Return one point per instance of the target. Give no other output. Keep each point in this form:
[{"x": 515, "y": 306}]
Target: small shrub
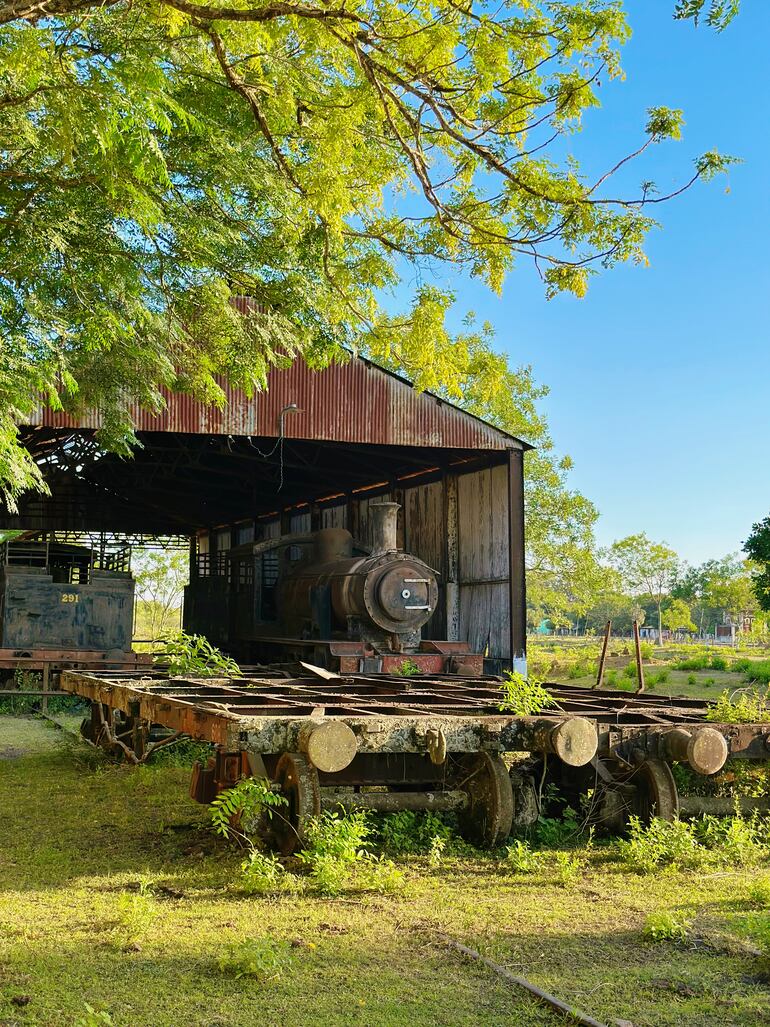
[
  {"x": 751, "y": 707},
  {"x": 436, "y": 852},
  {"x": 521, "y": 858},
  {"x": 691, "y": 679},
  {"x": 524, "y": 696},
  {"x": 182, "y": 753},
  {"x": 611, "y": 679},
  {"x": 263, "y": 959},
  {"x": 136, "y": 911},
  {"x": 569, "y": 866},
  {"x": 664, "y": 926},
  {"x": 406, "y": 669},
  {"x": 663, "y": 677},
  {"x": 660, "y": 844},
  {"x": 647, "y": 649},
  {"x": 195, "y": 656},
  {"x": 718, "y": 663},
  {"x": 263, "y": 873},
  {"x": 243, "y": 805},
  {"x": 379, "y": 874},
  {"x": 629, "y": 670},
  {"x": 411, "y": 833},
  {"x": 334, "y": 842}
]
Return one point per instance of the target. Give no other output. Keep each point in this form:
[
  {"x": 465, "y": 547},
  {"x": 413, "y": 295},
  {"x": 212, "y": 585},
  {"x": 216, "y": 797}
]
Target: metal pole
[
  {"x": 639, "y": 668},
  {"x": 516, "y": 571},
  {"x": 603, "y": 657}
]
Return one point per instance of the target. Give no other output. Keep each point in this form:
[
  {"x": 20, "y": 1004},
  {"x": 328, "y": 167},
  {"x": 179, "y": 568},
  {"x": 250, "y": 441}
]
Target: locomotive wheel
[
  {"x": 298, "y": 779},
  {"x": 488, "y": 818}
]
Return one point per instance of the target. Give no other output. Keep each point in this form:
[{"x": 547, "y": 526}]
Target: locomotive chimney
[{"x": 384, "y": 521}]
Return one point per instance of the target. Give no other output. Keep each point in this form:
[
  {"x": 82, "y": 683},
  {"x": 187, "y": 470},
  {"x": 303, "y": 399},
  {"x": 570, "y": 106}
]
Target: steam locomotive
[{"x": 329, "y": 599}]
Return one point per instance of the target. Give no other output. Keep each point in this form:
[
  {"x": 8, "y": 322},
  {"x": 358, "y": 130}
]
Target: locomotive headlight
[{"x": 405, "y": 593}]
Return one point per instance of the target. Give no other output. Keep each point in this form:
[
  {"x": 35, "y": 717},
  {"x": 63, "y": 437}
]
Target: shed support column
[
  {"x": 452, "y": 559},
  {"x": 517, "y": 582}
]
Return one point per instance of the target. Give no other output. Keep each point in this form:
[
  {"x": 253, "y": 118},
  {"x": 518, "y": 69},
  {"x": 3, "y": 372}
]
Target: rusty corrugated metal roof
[{"x": 352, "y": 402}]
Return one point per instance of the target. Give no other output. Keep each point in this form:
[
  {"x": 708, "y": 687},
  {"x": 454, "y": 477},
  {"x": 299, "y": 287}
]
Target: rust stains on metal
[{"x": 352, "y": 402}]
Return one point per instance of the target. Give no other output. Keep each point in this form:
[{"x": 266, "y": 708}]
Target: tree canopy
[{"x": 160, "y": 156}]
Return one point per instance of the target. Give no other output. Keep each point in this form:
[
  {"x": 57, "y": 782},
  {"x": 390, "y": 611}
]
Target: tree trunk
[{"x": 660, "y": 624}]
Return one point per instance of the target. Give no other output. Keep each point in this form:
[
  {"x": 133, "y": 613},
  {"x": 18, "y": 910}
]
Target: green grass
[{"x": 113, "y": 893}]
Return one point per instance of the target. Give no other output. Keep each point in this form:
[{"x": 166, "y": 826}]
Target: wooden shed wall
[{"x": 480, "y": 571}]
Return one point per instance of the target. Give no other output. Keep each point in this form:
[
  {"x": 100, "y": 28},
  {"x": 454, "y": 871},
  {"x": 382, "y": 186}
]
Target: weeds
[
  {"x": 410, "y": 833},
  {"x": 334, "y": 844},
  {"x": 562, "y": 867},
  {"x": 406, "y": 669},
  {"x": 136, "y": 911},
  {"x": 665, "y": 926},
  {"x": 196, "y": 656},
  {"x": 262, "y": 959},
  {"x": 524, "y": 696},
  {"x": 751, "y": 707},
  {"x": 94, "y": 1018},
  {"x": 263, "y": 873},
  {"x": 661, "y": 844},
  {"x": 759, "y": 892}
]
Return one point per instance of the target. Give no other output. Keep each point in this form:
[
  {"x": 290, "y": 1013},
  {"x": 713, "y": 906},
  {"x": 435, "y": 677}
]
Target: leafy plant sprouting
[
  {"x": 521, "y": 858},
  {"x": 665, "y": 926},
  {"x": 750, "y": 707},
  {"x": 408, "y": 832},
  {"x": 261, "y": 958},
  {"x": 334, "y": 842},
  {"x": 524, "y": 696},
  {"x": 94, "y": 1018},
  {"x": 406, "y": 669},
  {"x": 196, "y": 656},
  {"x": 136, "y": 911},
  {"x": 262, "y": 873},
  {"x": 243, "y": 804}
]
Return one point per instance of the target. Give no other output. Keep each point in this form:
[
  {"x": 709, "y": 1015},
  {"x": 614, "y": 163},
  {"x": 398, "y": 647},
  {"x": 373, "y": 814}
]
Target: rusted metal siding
[{"x": 353, "y": 402}]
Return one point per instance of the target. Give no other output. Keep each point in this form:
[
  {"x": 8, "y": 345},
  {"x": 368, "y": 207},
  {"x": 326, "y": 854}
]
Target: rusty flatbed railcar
[{"x": 388, "y": 743}]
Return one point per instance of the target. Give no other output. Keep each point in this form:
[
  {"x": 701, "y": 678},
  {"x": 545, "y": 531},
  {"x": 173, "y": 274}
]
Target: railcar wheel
[
  {"x": 298, "y": 780},
  {"x": 656, "y": 794},
  {"x": 488, "y": 817}
]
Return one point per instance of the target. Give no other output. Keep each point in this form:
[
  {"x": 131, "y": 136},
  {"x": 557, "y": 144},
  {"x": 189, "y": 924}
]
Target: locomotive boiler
[{"x": 329, "y": 599}]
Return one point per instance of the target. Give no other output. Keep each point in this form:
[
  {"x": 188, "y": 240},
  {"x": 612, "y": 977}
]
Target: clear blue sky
[{"x": 660, "y": 378}]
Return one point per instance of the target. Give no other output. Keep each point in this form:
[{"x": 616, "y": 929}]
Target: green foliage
[
  {"x": 167, "y": 156},
  {"x": 406, "y": 669},
  {"x": 261, "y": 959},
  {"x": 334, "y": 843},
  {"x": 521, "y": 858},
  {"x": 160, "y": 577},
  {"x": 195, "y": 656},
  {"x": 710, "y": 841},
  {"x": 411, "y": 833},
  {"x": 182, "y": 753},
  {"x": 759, "y": 892},
  {"x": 243, "y": 805},
  {"x": 560, "y": 866},
  {"x": 94, "y": 1018},
  {"x": 665, "y": 926},
  {"x": 719, "y": 13},
  {"x": 263, "y": 873},
  {"x": 524, "y": 696},
  {"x": 676, "y": 616},
  {"x": 135, "y": 913},
  {"x": 751, "y": 707}
]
